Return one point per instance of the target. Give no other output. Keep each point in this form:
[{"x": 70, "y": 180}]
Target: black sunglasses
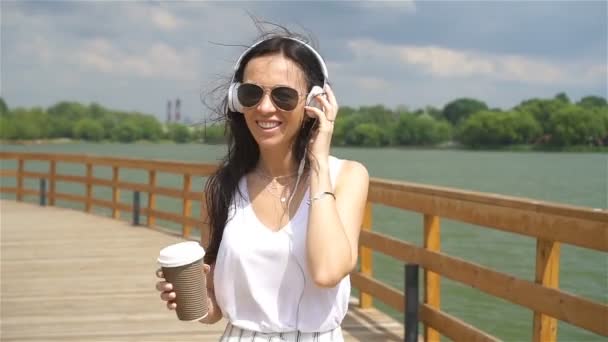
[{"x": 285, "y": 98}]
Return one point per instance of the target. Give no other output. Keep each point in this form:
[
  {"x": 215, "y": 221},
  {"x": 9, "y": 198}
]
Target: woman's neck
[{"x": 277, "y": 163}]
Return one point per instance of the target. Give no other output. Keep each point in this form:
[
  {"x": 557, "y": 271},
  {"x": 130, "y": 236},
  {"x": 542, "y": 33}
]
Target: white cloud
[
  {"x": 157, "y": 61},
  {"x": 444, "y": 62},
  {"x": 163, "y": 19},
  {"x": 371, "y": 83},
  {"x": 155, "y": 15},
  {"x": 393, "y": 5},
  {"x": 449, "y": 63},
  {"x": 518, "y": 68},
  {"x": 39, "y": 47},
  {"x": 157, "y": 50},
  {"x": 595, "y": 72}
]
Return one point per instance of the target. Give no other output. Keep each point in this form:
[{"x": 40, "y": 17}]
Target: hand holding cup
[
  {"x": 166, "y": 288},
  {"x": 184, "y": 285}
]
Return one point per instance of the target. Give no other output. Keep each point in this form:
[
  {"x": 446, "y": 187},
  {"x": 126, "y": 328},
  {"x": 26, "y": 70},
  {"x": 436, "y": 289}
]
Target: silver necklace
[
  {"x": 266, "y": 176},
  {"x": 273, "y": 189}
]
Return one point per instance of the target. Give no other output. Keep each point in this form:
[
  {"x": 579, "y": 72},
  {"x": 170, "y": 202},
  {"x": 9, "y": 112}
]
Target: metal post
[
  {"x": 205, "y": 131},
  {"x": 42, "y": 192},
  {"x": 411, "y": 303},
  {"x": 136, "y": 208}
]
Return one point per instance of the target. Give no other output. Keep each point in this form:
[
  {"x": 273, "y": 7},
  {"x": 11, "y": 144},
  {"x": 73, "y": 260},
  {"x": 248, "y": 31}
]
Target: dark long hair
[{"x": 243, "y": 151}]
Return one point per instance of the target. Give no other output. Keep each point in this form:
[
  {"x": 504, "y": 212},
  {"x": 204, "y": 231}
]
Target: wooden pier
[{"x": 71, "y": 276}]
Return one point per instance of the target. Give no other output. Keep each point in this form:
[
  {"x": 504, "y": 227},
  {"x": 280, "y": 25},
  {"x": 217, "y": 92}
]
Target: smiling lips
[{"x": 268, "y": 124}]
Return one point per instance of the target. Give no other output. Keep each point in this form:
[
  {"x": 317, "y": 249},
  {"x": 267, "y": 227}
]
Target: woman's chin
[
  {"x": 272, "y": 142},
  {"x": 266, "y": 143}
]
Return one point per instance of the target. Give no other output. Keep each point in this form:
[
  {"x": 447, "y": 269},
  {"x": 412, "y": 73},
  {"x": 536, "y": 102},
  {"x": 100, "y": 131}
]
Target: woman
[{"x": 284, "y": 215}]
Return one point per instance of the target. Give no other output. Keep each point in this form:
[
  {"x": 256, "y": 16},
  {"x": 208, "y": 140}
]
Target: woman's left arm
[{"x": 333, "y": 224}]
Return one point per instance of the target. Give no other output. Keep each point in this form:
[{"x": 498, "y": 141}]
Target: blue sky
[{"x": 138, "y": 55}]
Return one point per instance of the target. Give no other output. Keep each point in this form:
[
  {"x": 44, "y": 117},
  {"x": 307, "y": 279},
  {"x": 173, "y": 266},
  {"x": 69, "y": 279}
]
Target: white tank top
[{"x": 262, "y": 281}]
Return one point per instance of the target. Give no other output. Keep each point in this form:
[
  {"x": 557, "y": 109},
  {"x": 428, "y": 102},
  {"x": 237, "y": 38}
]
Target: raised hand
[{"x": 321, "y": 141}]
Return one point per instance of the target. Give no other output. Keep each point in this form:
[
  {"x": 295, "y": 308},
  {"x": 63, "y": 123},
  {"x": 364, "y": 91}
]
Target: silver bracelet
[{"x": 321, "y": 195}]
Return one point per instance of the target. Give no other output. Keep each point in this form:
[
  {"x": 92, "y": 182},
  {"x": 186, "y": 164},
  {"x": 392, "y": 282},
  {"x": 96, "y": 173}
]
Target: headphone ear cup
[
  {"x": 310, "y": 99},
  {"x": 233, "y": 100}
]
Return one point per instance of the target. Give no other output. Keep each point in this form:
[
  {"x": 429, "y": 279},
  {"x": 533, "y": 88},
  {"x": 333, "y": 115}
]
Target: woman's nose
[{"x": 266, "y": 104}]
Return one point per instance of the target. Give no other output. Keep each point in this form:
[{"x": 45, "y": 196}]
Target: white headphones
[{"x": 233, "y": 101}]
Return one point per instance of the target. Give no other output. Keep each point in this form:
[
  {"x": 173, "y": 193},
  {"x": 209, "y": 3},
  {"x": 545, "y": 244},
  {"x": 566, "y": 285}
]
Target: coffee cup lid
[{"x": 180, "y": 254}]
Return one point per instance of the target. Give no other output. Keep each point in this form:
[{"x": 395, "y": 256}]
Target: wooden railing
[
  {"x": 183, "y": 169},
  {"x": 550, "y": 224}
]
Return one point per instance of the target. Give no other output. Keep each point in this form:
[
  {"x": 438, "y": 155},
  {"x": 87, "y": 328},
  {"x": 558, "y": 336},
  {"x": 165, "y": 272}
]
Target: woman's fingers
[
  {"x": 329, "y": 108},
  {"x": 330, "y": 95},
  {"x": 314, "y": 112},
  {"x": 328, "y": 100},
  {"x": 165, "y": 289},
  {"x": 167, "y": 296},
  {"x": 164, "y": 286},
  {"x": 329, "y": 104},
  {"x": 325, "y": 125}
]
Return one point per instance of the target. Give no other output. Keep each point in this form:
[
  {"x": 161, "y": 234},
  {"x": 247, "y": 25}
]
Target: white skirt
[{"x": 233, "y": 333}]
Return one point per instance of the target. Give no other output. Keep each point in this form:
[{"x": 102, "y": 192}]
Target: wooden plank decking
[{"x": 71, "y": 276}]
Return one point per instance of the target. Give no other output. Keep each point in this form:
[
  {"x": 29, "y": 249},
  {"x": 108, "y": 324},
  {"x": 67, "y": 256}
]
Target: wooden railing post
[
  {"x": 187, "y": 204},
  {"x": 366, "y": 258},
  {"x": 547, "y": 274},
  {"x": 52, "y": 182},
  {"x": 89, "y": 187},
  {"x": 151, "y": 198},
  {"x": 115, "y": 192},
  {"x": 20, "y": 171},
  {"x": 432, "y": 280}
]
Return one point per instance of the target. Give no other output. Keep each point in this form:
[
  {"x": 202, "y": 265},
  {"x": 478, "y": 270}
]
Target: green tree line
[
  {"x": 95, "y": 123},
  {"x": 545, "y": 123}
]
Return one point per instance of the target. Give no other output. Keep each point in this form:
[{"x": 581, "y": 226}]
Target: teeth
[{"x": 268, "y": 124}]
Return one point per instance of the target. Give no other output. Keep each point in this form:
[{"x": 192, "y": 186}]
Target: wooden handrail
[
  {"x": 550, "y": 224},
  {"x": 520, "y": 216},
  {"x": 451, "y": 326},
  {"x": 195, "y": 169},
  {"x": 559, "y": 304},
  {"x": 477, "y": 197}
]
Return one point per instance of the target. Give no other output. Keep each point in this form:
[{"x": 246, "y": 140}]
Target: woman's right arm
[{"x": 215, "y": 313}]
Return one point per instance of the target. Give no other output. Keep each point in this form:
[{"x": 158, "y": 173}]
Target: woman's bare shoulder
[{"x": 352, "y": 172}]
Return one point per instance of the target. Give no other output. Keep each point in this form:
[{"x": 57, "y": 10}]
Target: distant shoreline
[
  {"x": 37, "y": 141},
  {"x": 442, "y": 147}
]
